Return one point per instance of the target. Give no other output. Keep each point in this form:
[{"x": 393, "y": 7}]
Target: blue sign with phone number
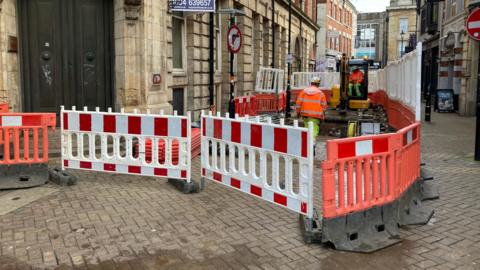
[{"x": 192, "y": 5}]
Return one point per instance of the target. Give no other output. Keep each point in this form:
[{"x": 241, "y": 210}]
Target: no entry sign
[
  {"x": 234, "y": 39},
  {"x": 473, "y": 24}
]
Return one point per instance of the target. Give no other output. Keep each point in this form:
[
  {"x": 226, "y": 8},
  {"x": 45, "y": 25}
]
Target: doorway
[{"x": 66, "y": 55}]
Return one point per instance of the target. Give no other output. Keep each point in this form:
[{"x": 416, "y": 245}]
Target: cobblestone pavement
[{"x": 122, "y": 222}]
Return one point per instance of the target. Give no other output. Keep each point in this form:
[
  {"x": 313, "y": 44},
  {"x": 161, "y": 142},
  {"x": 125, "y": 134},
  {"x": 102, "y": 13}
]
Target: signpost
[
  {"x": 473, "y": 29},
  {"x": 234, "y": 43},
  {"x": 473, "y": 24},
  {"x": 234, "y": 39}
]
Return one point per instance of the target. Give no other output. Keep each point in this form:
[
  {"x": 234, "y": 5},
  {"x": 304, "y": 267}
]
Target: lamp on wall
[{"x": 132, "y": 9}]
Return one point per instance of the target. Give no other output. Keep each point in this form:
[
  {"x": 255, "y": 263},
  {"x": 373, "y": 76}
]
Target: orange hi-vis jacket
[
  {"x": 311, "y": 102},
  {"x": 356, "y": 77}
]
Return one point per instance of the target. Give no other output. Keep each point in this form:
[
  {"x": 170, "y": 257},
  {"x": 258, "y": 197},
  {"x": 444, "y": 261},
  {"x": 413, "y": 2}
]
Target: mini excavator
[{"x": 349, "y": 103}]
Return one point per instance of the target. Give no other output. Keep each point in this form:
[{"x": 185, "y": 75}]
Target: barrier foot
[
  {"x": 310, "y": 229},
  {"x": 411, "y": 209},
  {"x": 365, "y": 232},
  {"x": 429, "y": 191},
  {"x": 424, "y": 175},
  {"x": 23, "y": 175},
  {"x": 187, "y": 187},
  {"x": 61, "y": 178}
]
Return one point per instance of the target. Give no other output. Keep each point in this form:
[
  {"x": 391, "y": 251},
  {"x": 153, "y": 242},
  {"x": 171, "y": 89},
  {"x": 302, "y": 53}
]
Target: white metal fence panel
[
  {"x": 104, "y": 141},
  {"x": 270, "y": 80},
  {"x": 275, "y": 162},
  {"x": 402, "y": 80},
  {"x": 302, "y": 80}
]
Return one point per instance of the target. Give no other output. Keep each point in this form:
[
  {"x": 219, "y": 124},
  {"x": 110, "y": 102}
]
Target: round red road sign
[
  {"x": 473, "y": 24},
  {"x": 234, "y": 39}
]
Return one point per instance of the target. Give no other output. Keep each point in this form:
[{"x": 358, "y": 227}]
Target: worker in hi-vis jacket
[{"x": 311, "y": 105}]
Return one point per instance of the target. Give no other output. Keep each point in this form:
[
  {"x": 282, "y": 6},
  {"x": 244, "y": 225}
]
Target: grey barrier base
[
  {"x": 23, "y": 175},
  {"x": 372, "y": 229},
  {"x": 310, "y": 229},
  {"x": 61, "y": 178},
  {"x": 424, "y": 174},
  {"x": 366, "y": 231},
  {"x": 429, "y": 191},
  {"x": 411, "y": 211},
  {"x": 186, "y": 187}
]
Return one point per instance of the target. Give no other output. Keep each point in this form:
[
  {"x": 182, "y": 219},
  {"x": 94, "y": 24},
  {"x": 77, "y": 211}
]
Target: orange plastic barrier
[
  {"x": 399, "y": 115},
  {"x": 3, "y": 108},
  {"x": 245, "y": 106},
  {"x": 270, "y": 103},
  {"x": 195, "y": 151},
  {"x": 24, "y": 137},
  {"x": 408, "y": 157},
  {"x": 363, "y": 172}
]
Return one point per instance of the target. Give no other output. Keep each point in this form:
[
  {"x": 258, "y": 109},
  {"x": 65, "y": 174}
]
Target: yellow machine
[
  {"x": 343, "y": 96},
  {"x": 335, "y": 98}
]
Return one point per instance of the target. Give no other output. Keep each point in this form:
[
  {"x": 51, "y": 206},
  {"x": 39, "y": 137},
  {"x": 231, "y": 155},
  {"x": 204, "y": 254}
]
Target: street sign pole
[
  {"x": 473, "y": 30},
  {"x": 477, "y": 136},
  {"x": 211, "y": 64},
  {"x": 234, "y": 43},
  {"x": 287, "y": 109},
  {"x": 428, "y": 104},
  {"x": 231, "y": 105}
]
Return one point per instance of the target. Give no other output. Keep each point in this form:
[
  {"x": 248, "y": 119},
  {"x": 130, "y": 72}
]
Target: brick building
[
  {"x": 337, "y": 20},
  {"x": 106, "y": 53}
]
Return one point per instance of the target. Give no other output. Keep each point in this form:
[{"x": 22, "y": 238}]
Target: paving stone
[{"x": 109, "y": 221}]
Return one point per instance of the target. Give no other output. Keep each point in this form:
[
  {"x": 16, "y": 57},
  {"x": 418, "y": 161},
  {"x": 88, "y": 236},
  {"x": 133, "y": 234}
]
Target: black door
[
  {"x": 66, "y": 53},
  {"x": 178, "y": 100}
]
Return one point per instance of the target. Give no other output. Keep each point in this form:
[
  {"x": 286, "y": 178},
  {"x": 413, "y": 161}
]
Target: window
[
  {"x": 453, "y": 8},
  {"x": 447, "y": 9},
  {"x": 403, "y": 25},
  {"x": 460, "y": 6},
  {"x": 178, "y": 32},
  {"x": 335, "y": 12},
  {"x": 266, "y": 42}
]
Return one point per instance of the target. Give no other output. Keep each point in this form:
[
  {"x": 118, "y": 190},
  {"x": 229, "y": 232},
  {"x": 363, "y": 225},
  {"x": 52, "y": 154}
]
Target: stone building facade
[
  {"x": 459, "y": 54},
  {"x": 428, "y": 30},
  {"x": 402, "y": 18},
  {"x": 148, "y": 58}
]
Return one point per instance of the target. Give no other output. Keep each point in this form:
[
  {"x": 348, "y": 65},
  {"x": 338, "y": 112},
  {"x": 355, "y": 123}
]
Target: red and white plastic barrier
[
  {"x": 103, "y": 141},
  {"x": 256, "y": 143},
  {"x": 3, "y": 108}
]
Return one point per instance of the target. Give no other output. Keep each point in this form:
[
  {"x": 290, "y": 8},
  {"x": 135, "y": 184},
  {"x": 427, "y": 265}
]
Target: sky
[{"x": 370, "y": 5}]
